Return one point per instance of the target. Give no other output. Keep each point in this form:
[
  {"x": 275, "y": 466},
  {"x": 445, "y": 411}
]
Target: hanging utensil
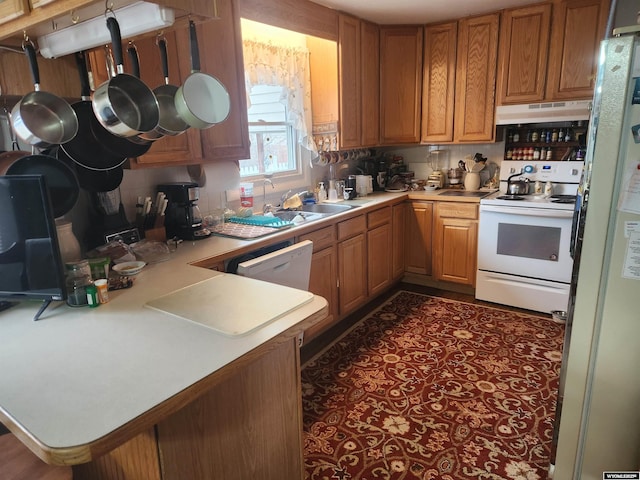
[
  {"x": 171, "y": 123},
  {"x": 202, "y": 101},
  {"x": 124, "y": 105},
  {"x": 85, "y": 149},
  {"x": 42, "y": 119}
]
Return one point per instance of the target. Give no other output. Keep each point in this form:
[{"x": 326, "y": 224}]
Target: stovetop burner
[{"x": 510, "y": 197}]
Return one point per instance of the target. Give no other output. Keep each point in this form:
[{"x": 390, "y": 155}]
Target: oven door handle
[{"x": 532, "y": 212}]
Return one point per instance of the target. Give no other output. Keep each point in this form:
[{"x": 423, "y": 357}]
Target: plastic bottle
[{"x": 322, "y": 193}]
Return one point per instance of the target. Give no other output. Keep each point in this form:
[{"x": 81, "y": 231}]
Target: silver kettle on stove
[{"x": 517, "y": 187}]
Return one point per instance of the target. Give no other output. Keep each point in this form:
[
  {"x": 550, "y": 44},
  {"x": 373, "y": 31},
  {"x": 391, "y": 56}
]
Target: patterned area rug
[{"x": 430, "y": 388}]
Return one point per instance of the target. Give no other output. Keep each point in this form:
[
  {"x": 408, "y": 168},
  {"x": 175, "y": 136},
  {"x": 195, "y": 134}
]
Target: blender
[{"x": 437, "y": 159}]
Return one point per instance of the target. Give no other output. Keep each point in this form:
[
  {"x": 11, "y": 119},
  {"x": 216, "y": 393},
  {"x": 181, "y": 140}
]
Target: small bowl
[
  {"x": 430, "y": 188},
  {"x": 559, "y": 316},
  {"x": 129, "y": 269}
]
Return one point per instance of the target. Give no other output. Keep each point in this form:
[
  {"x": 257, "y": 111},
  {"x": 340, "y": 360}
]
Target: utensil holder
[{"x": 472, "y": 181}]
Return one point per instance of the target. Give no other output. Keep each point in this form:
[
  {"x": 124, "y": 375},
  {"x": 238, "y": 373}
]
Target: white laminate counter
[{"x": 79, "y": 374}]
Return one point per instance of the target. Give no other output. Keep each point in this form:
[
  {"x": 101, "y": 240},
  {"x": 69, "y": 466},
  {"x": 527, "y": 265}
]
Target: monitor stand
[{"x": 45, "y": 304}]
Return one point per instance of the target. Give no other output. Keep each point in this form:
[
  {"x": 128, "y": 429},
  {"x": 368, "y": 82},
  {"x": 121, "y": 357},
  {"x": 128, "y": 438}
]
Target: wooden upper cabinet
[
  {"x": 220, "y": 43},
  {"x": 476, "y": 78},
  {"x": 578, "y": 27},
  {"x": 358, "y": 57},
  {"x": 439, "y": 77},
  {"x": 524, "y": 46},
  {"x": 400, "y": 84},
  {"x": 370, "y": 84},
  {"x": 349, "y": 81}
]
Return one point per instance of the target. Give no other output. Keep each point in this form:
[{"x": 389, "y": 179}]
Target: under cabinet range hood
[
  {"x": 546, "y": 112},
  {"x": 134, "y": 19}
]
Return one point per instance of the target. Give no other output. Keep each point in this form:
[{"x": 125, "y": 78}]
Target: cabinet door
[
  {"x": 524, "y": 46},
  {"x": 438, "y": 88},
  {"x": 418, "y": 232},
  {"x": 352, "y": 273},
  {"x": 220, "y": 44},
  {"x": 397, "y": 240},
  {"x": 379, "y": 259},
  {"x": 400, "y": 84},
  {"x": 370, "y": 84},
  {"x": 350, "y": 94},
  {"x": 169, "y": 150},
  {"x": 456, "y": 249},
  {"x": 323, "y": 281},
  {"x": 578, "y": 28},
  {"x": 476, "y": 78}
]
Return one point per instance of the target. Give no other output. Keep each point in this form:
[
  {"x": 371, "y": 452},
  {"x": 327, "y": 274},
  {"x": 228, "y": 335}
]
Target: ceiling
[{"x": 386, "y": 12}]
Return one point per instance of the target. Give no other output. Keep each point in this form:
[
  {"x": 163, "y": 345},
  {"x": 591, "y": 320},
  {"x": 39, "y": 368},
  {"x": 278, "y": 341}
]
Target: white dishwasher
[{"x": 289, "y": 266}]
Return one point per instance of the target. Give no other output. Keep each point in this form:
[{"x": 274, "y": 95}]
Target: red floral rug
[{"x": 430, "y": 388}]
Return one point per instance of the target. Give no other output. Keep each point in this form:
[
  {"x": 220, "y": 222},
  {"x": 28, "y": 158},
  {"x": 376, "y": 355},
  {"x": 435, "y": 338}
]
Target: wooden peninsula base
[{"x": 248, "y": 426}]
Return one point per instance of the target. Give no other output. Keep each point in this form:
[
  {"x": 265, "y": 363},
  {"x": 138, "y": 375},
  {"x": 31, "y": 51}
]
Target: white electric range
[{"x": 523, "y": 240}]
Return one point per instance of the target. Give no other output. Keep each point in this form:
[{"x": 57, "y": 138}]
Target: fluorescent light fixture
[{"x": 134, "y": 19}]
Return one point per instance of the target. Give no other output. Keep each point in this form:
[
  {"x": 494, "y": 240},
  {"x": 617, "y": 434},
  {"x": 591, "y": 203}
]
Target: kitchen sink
[
  {"x": 289, "y": 215},
  {"x": 326, "y": 208}
]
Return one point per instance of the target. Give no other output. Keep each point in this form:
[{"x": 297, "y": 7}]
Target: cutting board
[{"x": 231, "y": 304}]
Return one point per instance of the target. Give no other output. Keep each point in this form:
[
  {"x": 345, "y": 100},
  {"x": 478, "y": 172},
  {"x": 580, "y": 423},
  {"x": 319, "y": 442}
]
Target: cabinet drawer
[
  {"x": 351, "y": 227},
  {"x": 321, "y": 238},
  {"x": 379, "y": 217},
  {"x": 458, "y": 210}
]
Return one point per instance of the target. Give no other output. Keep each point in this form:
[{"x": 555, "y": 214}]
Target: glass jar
[{"x": 78, "y": 279}]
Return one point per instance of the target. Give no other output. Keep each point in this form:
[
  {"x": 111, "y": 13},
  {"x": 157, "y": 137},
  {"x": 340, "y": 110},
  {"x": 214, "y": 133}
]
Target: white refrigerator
[{"x": 599, "y": 424}]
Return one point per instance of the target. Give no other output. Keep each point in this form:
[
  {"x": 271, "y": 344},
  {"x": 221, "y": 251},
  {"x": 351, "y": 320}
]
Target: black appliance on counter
[
  {"x": 182, "y": 217},
  {"x": 108, "y": 220}
]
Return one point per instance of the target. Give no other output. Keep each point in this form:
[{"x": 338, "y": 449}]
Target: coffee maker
[{"x": 182, "y": 217}]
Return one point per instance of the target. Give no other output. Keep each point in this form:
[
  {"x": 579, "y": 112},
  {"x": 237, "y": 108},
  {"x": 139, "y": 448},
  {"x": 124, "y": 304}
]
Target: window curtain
[{"x": 268, "y": 64}]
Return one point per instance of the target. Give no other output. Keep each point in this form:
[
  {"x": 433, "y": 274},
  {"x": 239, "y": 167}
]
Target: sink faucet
[{"x": 266, "y": 207}]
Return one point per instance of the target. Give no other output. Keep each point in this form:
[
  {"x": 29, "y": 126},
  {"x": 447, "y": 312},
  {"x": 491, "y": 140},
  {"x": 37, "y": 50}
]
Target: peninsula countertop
[{"x": 72, "y": 379}]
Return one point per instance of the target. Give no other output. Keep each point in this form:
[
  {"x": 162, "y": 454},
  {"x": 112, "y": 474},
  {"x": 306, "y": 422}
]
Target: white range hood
[{"x": 543, "y": 112}]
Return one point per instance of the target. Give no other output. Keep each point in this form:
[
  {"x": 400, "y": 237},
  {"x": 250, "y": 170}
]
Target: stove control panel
[{"x": 565, "y": 172}]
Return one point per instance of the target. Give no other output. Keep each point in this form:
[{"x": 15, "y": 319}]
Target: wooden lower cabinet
[
  {"x": 352, "y": 273},
  {"x": 249, "y": 425},
  {"x": 418, "y": 233},
  {"x": 324, "y": 282},
  {"x": 398, "y": 217},
  {"x": 455, "y": 242},
  {"x": 379, "y": 259}
]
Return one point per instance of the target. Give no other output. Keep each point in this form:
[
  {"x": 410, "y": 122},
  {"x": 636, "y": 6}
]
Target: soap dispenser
[{"x": 322, "y": 193}]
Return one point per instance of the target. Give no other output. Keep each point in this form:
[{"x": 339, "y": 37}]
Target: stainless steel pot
[
  {"x": 517, "y": 187},
  {"x": 202, "y": 101},
  {"x": 40, "y": 118},
  {"x": 124, "y": 105},
  {"x": 171, "y": 123}
]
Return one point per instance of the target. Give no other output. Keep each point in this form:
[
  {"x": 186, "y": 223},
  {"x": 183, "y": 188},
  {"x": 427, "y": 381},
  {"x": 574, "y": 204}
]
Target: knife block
[{"x": 158, "y": 234}]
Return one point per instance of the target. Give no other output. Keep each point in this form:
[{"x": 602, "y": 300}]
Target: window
[
  {"x": 278, "y": 86},
  {"x": 273, "y": 139}
]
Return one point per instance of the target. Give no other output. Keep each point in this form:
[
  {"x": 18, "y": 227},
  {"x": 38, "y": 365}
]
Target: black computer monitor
[{"x": 31, "y": 267}]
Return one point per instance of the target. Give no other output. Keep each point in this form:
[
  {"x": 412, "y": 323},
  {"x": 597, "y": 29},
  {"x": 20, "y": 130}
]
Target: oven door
[{"x": 528, "y": 242}]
